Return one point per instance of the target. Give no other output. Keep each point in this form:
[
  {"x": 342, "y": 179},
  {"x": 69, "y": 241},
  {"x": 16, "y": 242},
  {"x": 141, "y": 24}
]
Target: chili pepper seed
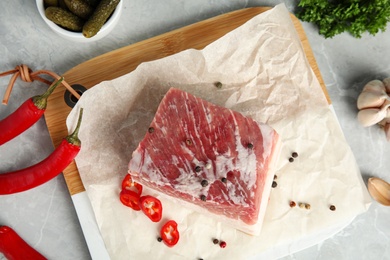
[
  {"x": 222, "y": 244},
  {"x": 204, "y": 183},
  {"x": 332, "y": 207},
  {"x": 215, "y": 241},
  {"x": 292, "y": 204},
  {"x": 203, "y": 197},
  {"x": 189, "y": 142},
  {"x": 151, "y": 130}
]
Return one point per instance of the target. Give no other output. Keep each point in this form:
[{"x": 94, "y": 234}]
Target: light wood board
[{"x": 124, "y": 60}]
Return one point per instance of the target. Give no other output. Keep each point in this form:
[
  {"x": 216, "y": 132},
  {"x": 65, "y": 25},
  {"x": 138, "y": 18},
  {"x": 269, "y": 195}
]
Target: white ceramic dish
[{"x": 78, "y": 36}]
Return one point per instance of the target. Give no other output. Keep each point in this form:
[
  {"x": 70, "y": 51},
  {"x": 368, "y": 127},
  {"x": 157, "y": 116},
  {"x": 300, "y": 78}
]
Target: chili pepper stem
[
  {"x": 73, "y": 137},
  {"x": 41, "y": 101}
]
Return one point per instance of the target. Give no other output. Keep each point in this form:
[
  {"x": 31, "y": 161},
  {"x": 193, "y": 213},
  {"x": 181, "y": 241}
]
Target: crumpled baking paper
[{"x": 266, "y": 76}]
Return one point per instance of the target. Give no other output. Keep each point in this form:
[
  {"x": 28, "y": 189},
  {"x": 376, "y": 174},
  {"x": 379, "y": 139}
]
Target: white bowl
[{"x": 78, "y": 36}]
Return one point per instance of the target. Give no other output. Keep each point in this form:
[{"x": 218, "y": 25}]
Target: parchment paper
[{"x": 266, "y": 76}]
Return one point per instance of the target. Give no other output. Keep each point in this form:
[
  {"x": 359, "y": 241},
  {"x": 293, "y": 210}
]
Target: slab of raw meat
[{"x": 216, "y": 160}]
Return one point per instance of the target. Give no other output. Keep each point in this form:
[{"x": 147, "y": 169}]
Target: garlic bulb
[{"x": 374, "y": 105}]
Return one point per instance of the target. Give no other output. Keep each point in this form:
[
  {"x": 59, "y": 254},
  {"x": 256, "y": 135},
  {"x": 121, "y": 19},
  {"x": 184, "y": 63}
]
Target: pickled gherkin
[
  {"x": 64, "y": 18},
  {"x": 99, "y": 17},
  {"x": 80, "y": 8}
]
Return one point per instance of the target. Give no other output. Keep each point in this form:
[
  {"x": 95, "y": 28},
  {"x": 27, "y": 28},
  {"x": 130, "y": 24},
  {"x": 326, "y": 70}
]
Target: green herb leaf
[{"x": 353, "y": 16}]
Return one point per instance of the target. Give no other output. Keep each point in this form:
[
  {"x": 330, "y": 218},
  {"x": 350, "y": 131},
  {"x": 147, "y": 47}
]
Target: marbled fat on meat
[{"x": 193, "y": 140}]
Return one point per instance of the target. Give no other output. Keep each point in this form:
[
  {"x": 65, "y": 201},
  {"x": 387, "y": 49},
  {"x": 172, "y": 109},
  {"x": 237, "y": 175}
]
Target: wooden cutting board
[{"x": 124, "y": 60}]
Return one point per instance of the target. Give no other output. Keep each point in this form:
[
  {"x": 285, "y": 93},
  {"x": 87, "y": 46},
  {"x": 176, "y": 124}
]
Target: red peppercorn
[{"x": 222, "y": 244}]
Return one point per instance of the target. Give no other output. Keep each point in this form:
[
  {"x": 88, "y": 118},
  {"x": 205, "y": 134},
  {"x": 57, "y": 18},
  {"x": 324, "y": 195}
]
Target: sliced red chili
[
  {"x": 152, "y": 207},
  {"x": 169, "y": 233},
  {"x": 129, "y": 184},
  {"x": 130, "y": 199}
]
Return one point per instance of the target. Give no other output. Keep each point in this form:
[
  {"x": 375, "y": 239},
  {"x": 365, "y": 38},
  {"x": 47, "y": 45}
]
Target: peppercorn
[
  {"x": 307, "y": 206},
  {"x": 274, "y": 184},
  {"x": 292, "y": 204},
  {"x": 204, "y": 183},
  {"x": 215, "y": 241},
  {"x": 275, "y": 177},
  {"x": 250, "y": 145},
  {"x": 159, "y": 239},
  {"x": 294, "y": 154},
  {"x": 218, "y": 84},
  {"x": 222, "y": 244},
  {"x": 224, "y": 180},
  {"x": 291, "y": 159},
  {"x": 203, "y": 197},
  {"x": 151, "y": 130},
  {"x": 198, "y": 169},
  {"x": 332, "y": 207}
]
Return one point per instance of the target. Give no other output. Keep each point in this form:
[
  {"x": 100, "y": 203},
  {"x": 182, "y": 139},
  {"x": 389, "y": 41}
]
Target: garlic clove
[
  {"x": 379, "y": 190},
  {"x": 370, "y": 116},
  {"x": 386, "y": 82},
  {"x": 375, "y": 86},
  {"x": 370, "y": 99}
]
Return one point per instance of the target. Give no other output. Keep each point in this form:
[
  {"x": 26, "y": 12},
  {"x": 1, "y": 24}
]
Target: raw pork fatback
[{"x": 216, "y": 160}]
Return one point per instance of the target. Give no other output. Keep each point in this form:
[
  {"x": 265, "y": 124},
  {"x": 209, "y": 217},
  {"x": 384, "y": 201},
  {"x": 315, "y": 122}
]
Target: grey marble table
[{"x": 46, "y": 217}]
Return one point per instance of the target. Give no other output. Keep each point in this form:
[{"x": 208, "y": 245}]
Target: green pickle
[
  {"x": 51, "y": 3},
  {"x": 99, "y": 17},
  {"x": 80, "y": 8},
  {"x": 64, "y": 18}
]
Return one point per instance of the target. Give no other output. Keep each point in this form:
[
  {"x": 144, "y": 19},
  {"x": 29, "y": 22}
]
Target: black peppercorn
[
  {"x": 159, "y": 239},
  {"x": 294, "y": 154},
  {"x": 250, "y": 145},
  {"x": 224, "y": 180},
  {"x": 215, "y": 241},
  {"x": 291, "y": 159},
  {"x": 218, "y": 84},
  {"x": 189, "y": 142},
  {"x": 274, "y": 184},
  {"x": 203, "y": 197},
  {"x": 204, "y": 183},
  {"x": 332, "y": 207},
  {"x": 198, "y": 169},
  {"x": 151, "y": 130}
]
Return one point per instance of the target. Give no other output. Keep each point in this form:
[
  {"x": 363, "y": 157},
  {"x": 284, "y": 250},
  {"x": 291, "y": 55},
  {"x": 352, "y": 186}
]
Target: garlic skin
[
  {"x": 379, "y": 190},
  {"x": 374, "y": 105}
]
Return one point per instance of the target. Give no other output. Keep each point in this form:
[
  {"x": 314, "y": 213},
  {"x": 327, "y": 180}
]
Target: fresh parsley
[{"x": 353, "y": 16}]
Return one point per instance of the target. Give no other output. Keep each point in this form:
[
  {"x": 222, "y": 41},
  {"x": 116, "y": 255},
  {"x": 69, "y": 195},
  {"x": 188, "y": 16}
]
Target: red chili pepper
[
  {"x": 45, "y": 170},
  {"x": 169, "y": 233},
  {"x": 14, "y": 247},
  {"x": 26, "y": 115},
  {"x": 129, "y": 184},
  {"x": 130, "y": 199},
  {"x": 152, "y": 207}
]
